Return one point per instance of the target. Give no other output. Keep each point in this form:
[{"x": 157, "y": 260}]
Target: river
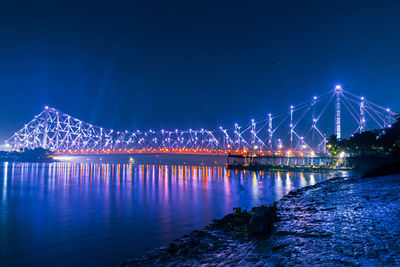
[{"x": 97, "y": 214}]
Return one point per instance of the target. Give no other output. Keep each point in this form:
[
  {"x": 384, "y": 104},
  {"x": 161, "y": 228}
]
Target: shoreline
[{"x": 339, "y": 221}]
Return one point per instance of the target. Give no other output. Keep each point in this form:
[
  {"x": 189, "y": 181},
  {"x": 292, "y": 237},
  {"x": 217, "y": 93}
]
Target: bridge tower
[
  {"x": 253, "y": 134},
  {"x": 362, "y": 115},
  {"x": 314, "y": 121},
  {"x": 291, "y": 127},
  {"x": 46, "y": 128},
  {"x": 270, "y": 132},
  {"x": 338, "y": 92},
  {"x": 238, "y": 136}
]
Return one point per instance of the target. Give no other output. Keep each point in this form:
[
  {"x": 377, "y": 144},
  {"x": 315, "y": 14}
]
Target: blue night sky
[{"x": 191, "y": 64}]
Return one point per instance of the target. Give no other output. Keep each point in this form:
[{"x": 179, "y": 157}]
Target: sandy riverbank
[{"x": 342, "y": 221}]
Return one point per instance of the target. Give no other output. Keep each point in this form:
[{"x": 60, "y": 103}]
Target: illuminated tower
[
  {"x": 291, "y": 127},
  {"x": 253, "y": 134},
  {"x": 338, "y": 92},
  {"x": 46, "y": 128},
  {"x": 238, "y": 136},
  {"x": 362, "y": 115},
  {"x": 314, "y": 120},
  {"x": 270, "y": 131}
]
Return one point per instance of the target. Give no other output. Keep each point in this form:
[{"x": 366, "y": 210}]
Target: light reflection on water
[{"x": 68, "y": 214}]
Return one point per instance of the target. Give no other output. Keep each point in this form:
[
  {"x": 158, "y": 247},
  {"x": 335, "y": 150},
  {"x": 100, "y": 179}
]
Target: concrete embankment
[{"x": 348, "y": 221}]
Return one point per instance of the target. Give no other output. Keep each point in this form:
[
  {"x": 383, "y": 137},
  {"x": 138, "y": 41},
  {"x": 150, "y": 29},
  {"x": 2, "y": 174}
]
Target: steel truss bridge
[{"x": 302, "y": 128}]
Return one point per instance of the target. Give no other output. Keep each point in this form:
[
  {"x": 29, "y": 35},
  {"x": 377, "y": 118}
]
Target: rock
[
  {"x": 261, "y": 222},
  {"x": 279, "y": 247},
  {"x": 283, "y": 233},
  {"x": 193, "y": 242}
]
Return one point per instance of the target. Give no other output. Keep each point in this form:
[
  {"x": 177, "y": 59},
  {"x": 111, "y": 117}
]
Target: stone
[{"x": 262, "y": 220}]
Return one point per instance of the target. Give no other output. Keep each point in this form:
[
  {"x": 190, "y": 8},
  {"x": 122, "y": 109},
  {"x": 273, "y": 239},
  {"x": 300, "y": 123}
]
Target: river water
[{"x": 91, "y": 214}]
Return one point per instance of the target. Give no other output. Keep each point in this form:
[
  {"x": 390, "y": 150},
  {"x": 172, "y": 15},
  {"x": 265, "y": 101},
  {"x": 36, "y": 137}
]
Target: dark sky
[{"x": 191, "y": 64}]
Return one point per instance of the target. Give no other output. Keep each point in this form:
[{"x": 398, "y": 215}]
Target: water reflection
[{"x": 100, "y": 214}]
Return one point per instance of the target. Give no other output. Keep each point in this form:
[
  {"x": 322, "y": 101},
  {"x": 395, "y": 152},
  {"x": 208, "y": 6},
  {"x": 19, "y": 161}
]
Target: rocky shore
[{"x": 342, "y": 221}]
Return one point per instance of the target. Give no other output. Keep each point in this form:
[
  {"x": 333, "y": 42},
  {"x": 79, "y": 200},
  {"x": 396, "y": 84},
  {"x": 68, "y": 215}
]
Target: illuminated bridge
[{"x": 302, "y": 128}]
